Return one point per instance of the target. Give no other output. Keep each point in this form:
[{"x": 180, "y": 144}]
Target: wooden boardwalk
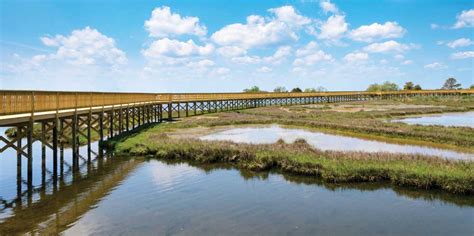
[{"x": 71, "y": 115}]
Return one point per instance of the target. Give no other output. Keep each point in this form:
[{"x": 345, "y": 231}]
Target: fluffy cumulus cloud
[
  {"x": 462, "y": 55},
  {"x": 388, "y": 47},
  {"x": 259, "y": 31},
  {"x": 328, "y": 7},
  {"x": 375, "y": 31},
  {"x": 435, "y": 66},
  {"x": 310, "y": 55},
  {"x": 333, "y": 28},
  {"x": 465, "y": 19},
  {"x": 167, "y": 55},
  {"x": 164, "y": 23},
  {"x": 462, "y": 42},
  {"x": 84, "y": 47},
  {"x": 356, "y": 57},
  {"x": 289, "y": 15},
  {"x": 174, "y": 48}
]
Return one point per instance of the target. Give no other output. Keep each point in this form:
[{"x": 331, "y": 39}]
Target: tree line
[{"x": 449, "y": 84}]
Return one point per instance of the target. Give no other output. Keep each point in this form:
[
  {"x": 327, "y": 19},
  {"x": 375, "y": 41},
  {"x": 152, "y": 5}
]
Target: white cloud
[
  {"x": 220, "y": 71},
  {"x": 259, "y": 31},
  {"x": 310, "y": 54},
  {"x": 174, "y": 48},
  {"x": 334, "y": 28},
  {"x": 328, "y": 7},
  {"x": 435, "y": 66},
  {"x": 434, "y": 26},
  {"x": 289, "y": 15},
  {"x": 356, "y": 57},
  {"x": 308, "y": 49},
  {"x": 280, "y": 54},
  {"x": 164, "y": 23},
  {"x": 247, "y": 59},
  {"x": 465, "y": 19},
  {"x": 264, "y": 69},
  {"x": 387, "y": 47},
  {"x": 312, "y": 59},
  {"x": 376, "y": 31},
  {"x": 201, "y": 63},
  {"x": 84, "y": 47},
  {"x": 407, "y": 62},
  {"x": 462, "y": 55},
  {"x": 231, "y": 51},
  {"x": 462, "y": 42}
]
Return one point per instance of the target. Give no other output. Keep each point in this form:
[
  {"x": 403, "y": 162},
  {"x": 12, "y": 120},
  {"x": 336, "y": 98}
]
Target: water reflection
[
  {"x": 325, "y": 141},
  {"x": 51, "y": 213},
  {"x": 447, "y": 119},
  {"x": 118, "y": 195},
  {"x": 214, "y": 199},
  {"x": 140, "y": 196}
]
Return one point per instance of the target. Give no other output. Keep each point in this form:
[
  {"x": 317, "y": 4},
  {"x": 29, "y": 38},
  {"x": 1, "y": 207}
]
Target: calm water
[
  {"x": 138, "y": 196},
  {"x": 447, "y": 119},
  {"x": 151, "y": 197},
  {"x": 327, "y": 141}
]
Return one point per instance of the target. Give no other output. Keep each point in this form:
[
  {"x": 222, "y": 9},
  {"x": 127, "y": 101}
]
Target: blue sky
[{"x": 219, "y": 46}]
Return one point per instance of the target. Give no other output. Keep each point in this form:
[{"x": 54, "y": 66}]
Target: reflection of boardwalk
[{"x": 53, "y": 212}]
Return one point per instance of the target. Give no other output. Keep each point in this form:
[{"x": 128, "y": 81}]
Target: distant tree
[
  {"x": 280, "y": 89},
  {"x": 389, "y": 86},
  {"x": 296, "y": 90},
  {"x": 310, "y": 90},
  {"x": 386, "y": 86},
  {"x": 417, "y": 87},
  {"x": 472, "y": 87},
  {"x": 408, "y": 86},
  {"x": 253, "y": 89},
  {"x": 451, "y": 83},
  {"x": 373, "y": 88}
]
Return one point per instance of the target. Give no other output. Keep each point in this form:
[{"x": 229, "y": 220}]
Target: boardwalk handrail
[{"x": 15, "y": 101}]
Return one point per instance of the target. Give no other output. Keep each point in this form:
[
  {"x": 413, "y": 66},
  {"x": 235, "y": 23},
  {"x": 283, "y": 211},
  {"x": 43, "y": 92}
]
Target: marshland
[{"x": 186, "y": 140}]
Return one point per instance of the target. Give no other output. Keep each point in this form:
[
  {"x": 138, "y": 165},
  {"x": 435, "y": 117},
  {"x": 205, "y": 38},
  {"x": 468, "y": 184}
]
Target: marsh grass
[{"x": 300, "y": 158}]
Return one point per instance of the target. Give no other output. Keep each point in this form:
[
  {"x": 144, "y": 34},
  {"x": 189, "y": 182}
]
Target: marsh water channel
[
  {"x": 325, "y": 141},
  {"x": 139, "y": 196},
  {"x": 465, "y": 119}
]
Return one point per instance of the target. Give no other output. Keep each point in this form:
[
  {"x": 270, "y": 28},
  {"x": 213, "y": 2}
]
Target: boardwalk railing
[{"x": 15, "y": 102}]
